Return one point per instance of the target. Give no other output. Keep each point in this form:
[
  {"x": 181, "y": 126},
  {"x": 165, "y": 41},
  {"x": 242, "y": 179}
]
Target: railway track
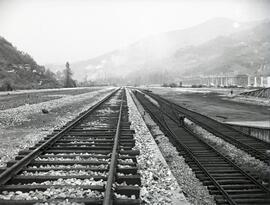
[
  {"x": 227, "y": 182},
  {"x": 252, "y": 145},
  {"x": 91, "y": 160}
]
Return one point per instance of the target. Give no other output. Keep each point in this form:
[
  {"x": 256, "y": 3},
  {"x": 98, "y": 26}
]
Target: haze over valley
[
  {"x": 197, "y": 50},
  {"x": 146, "y": 49},
  {"x": 135, "y": 102}
]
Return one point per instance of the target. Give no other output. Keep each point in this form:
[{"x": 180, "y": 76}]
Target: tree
[
  {"x": 60, "y": 76},
  {"x": 6, "y": 86},
  {"x": 49, "y": 74},
  {"x": 68, "y": 81}
]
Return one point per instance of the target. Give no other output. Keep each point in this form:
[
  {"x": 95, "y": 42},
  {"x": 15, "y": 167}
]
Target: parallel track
[
  {"x": 96, "y": 148},
  {"x": 225, "y": 180},
  {"x": 252, "y": 145}
]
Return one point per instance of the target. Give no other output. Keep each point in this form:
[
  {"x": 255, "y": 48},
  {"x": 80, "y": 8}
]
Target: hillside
[
  {"x": 148, "y": 52},
  {"x": 245, "y": 52},
  {"x": 18, "y": 70}
]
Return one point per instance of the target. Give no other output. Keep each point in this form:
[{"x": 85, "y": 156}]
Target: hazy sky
[{"x": 56, "y": 31}]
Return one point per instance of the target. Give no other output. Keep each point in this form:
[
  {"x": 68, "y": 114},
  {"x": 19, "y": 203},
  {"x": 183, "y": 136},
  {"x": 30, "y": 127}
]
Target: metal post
[{"x": 181, "y": 119}]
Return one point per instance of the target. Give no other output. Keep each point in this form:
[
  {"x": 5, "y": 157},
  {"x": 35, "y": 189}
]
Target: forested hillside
[{"x": 18, "y": 70}]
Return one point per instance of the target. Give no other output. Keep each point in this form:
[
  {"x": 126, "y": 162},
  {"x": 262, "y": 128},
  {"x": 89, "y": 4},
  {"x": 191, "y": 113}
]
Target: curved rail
[
  {"x": 191, "y": 147},
  {"x": 252, "y": 145}
]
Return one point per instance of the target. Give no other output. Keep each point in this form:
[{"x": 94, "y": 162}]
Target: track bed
[
  {"x": 91, "y": 160},
  {"x": 224, "y": 179},
  {"x": 253, "y": 146}
]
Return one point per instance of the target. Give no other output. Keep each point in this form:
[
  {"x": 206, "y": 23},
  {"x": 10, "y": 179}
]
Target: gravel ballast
[
  {"x": 25, "y": 132},
  {"x": 193, "y": 189},
  {"x": 16, "y": 116},
  {"x": 240, "y": 157},
  {"x": 67, "y": 188},
  {"x": 159, "y": 186},
  {"x": 14, "y": 99}
]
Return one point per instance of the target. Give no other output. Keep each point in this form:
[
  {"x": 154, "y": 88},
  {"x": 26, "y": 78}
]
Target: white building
[{"x": 268, "y": 81}]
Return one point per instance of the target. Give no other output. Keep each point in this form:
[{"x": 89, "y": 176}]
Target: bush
[
  {"x": 6, "y": 86},
  {"x": 165, "y": 85},
  {"x": 173, "y": 85}
]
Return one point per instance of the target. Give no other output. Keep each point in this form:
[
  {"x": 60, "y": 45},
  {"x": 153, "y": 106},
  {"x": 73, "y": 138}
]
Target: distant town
[{"x": 243, "y": 81}]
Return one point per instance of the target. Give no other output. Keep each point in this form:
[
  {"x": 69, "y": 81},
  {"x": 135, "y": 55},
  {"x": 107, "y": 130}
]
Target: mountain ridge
[
  {"x": 242, "y": 53},
  {"x": 152, "y": 49}
]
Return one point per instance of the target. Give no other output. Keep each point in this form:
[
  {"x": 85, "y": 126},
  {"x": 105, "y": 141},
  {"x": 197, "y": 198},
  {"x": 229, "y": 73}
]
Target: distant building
[
  {"x": 268, "y": 81},
  {"x": 241, "y": 80}
]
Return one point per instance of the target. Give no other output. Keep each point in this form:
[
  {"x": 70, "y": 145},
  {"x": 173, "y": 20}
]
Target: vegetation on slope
[{"x": 18, "y": 70}]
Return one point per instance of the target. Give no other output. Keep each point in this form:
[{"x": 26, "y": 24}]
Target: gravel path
[
  {"x": 159, "y": 186},
  {"x": 18, "y": 92},
  {"x": 16, "y": 116},
  {"x": 14, "y": 139},
  {"x": 15, "y": 99},
  {"x": 193, "y": 189}
]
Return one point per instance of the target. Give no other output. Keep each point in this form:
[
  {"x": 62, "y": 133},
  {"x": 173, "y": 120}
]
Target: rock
[
  {"x": 44, "y": 111},
  {"x": 155, "y": 178}
]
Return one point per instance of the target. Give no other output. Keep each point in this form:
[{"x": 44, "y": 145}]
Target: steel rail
[
  {"x": 167, "y": 129},
  {"x": 196, "y": 113},
  {"x": 246, "y": 147},
  {"x": 190, "y": 153},
  {"x": 225, "y": 125},
  {"x": 231, "y": 162},
  {"x": 108, "y": 195},
  {"x": 6, "y": 175},
  {"x": 215, "y": 150}
]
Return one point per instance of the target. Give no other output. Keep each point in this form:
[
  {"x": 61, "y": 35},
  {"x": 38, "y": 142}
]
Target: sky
[{"x": 56, "y": 31}]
